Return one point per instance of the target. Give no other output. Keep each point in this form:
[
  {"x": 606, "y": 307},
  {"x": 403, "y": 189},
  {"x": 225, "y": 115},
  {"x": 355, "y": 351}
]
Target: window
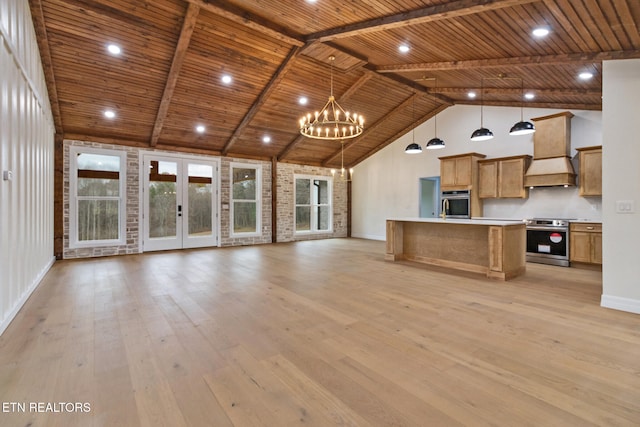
[
  {"x": 313, "y": 204},
  {"x": 245, "y": 199},
  {"x": 96, "y": 197}
]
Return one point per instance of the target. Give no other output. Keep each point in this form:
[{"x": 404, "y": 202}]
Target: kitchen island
[{"x": 491, "y": 247}]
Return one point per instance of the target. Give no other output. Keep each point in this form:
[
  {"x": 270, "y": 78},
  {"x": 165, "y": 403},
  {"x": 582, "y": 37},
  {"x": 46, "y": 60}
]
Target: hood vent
[{"x": 551, "y": 165}]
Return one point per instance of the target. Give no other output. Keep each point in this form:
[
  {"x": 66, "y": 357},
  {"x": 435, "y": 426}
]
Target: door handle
[{"x": 179, "y": 210}]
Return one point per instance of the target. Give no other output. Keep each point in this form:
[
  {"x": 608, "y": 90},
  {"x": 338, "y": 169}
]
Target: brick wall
[
  {"x": 285, "y": 208},
  {"x": 286, "y": 203}
]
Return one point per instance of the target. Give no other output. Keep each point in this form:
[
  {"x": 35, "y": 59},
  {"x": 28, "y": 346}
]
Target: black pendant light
[
  {"x": 413, "y": 148},
  {"x": 435, "y": 143},
  {"x": 522, "y": 127},
  {"x": 483, "y": 133}
]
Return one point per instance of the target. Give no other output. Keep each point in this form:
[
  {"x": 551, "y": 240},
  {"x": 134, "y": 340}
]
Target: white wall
[
  {"x": 387, "y": 184},
  {"x": 621, "y": 181},
  {"x": 26, "y": 149}
]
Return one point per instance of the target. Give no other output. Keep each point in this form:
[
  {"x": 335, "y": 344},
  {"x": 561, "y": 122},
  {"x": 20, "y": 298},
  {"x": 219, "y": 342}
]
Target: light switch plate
[
  {"x": 625, "y": 206},
  {"x": 7, "y": 175}
]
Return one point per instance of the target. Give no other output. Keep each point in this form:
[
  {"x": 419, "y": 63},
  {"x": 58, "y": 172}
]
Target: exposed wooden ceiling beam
[
  {"x": 400, "y": 133},
  {"x": 447, "y": 10},
  {"x": 528, "y": 104},
  {"x": 45, "y": 56},
  {"x": 362, "y": 80},
  {"x": 188, "y": 25},
  {"x": 400, "y": 107},
  {"x": 502, "y": 62},
  {"x": 276, "y": 79},
  {"x": 411, "y": 85},
  {"x": 516, "y": 91},
  {"x": 246, "y": 19}
]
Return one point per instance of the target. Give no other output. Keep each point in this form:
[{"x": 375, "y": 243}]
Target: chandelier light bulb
[{"x": 332, "y": 116}]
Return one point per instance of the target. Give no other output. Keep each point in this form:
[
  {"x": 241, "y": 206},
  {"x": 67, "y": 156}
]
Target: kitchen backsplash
[{"x": 546, "y": 202}]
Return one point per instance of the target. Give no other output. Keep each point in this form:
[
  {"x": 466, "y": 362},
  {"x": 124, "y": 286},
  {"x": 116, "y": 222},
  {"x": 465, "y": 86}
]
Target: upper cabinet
[
  {"x": 590, "y": 170},
  {"x": 503, "y": 177},
  {"x": 459, "y": 172}
]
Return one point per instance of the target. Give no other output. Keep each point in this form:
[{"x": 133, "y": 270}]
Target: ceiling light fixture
[
  {"x": 404, "y": 48},
  {"x": 522, "y": 127},
  {"x": 529, "y": 95},
  {"x": 109, "y": 114},
  {"x": 200, "y": 129},
  {"x": 585, "y": 75},
  {"x": 114, "y": 49},
  {"x": 343, "y": 175},
  {"x": 226, "y": 79},
  {"x": 303, "y": 100},
  {"x": 332, "y": 122},
  {"x": 471, "y": 95},
  {"x": 435, "y": 143},
  {"x": 481, "y": 134},
  {"x": 540, "y": 32},
  {"x": 266, "y": 139}
]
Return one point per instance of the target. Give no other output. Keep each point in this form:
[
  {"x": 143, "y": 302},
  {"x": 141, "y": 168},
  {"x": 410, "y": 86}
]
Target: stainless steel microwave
[{"x": 456, "y": 204}]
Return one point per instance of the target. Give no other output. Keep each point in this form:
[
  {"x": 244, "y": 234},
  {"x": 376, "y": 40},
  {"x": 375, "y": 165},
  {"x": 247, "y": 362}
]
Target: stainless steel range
[{"x": 548, "y": 241}]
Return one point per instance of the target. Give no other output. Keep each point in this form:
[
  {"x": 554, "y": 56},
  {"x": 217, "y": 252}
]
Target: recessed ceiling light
[
  {"x": 404, "y": 48},
  {"x": 114, "y": 49},
  {"x": 540, "y": 32},
  {"x": 585, "y": 75},
  {"x": 109, "y": 114},
  {"x": 200, "y": 129},
  {"x": 471, "y": 94},
  {"x": 529, "y": 95},
  {"x": 303, "y": 100},
  {"x": 266, "y": 139},
  {"x": 226, "y": 79}
]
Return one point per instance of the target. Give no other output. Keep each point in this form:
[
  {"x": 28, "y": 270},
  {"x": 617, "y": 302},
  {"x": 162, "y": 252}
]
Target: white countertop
[
  {"x": 594, "y": 221},
  {"x": 473, "y": 221}
]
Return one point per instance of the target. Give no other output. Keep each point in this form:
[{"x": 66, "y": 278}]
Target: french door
[{"x": 179, "y": 206}]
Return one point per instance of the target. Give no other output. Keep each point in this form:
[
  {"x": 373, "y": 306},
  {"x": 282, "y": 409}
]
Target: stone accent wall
[
  {"x": 286, "y": 203},
  {"x": 133, "y": 204},
  {"x": 285, "y": 208},
  {"x": 225, "y": 200}
]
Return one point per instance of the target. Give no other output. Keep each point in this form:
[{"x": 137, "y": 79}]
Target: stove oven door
[{"x": 547, "y": 243}]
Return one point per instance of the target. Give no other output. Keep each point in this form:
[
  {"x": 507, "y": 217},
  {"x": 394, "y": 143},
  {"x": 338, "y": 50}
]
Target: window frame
[
  {"x": 74, "y": 199},
  {"x": 313, "y": 206},
  {"x": 257, "y": 201}
]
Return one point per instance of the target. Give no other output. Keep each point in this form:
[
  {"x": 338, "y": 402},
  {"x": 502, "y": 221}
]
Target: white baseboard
[
  {"x": 25, "y": 296},
  {"x": 619, "y": 303},
  {"x": 368, "y": 236}
]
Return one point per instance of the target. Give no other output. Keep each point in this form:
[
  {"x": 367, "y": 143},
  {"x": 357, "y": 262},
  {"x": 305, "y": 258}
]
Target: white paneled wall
[{"x": 26, "y": 151}]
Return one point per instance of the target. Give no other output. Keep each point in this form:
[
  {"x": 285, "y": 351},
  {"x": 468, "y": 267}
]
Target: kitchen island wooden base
[{"x": 494, "y": 248}]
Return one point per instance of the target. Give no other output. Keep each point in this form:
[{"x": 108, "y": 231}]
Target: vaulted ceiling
[{"x": 167, "y": 78}]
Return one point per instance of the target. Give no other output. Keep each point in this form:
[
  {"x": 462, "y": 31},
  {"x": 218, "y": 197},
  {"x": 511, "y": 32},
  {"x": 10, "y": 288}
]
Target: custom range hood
[{"x": 551, "y": 165}]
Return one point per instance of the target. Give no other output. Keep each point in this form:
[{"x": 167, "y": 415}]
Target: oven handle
[{"x": 543, "y": 228}]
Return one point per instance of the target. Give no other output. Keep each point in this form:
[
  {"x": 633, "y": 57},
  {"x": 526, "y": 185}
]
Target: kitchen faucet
[{"x": 445, "y": 206}]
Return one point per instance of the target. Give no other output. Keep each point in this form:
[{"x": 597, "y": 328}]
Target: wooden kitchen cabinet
[
  {"x": 503, "y": 177},
  {"x": 459, "y": 172},
  {"x": 590, "y": 174},
  {"x": 585, "y": 242}
]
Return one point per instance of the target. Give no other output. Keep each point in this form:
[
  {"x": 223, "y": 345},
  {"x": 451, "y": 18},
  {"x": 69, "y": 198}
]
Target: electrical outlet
[{"x": 625, "y": 206}]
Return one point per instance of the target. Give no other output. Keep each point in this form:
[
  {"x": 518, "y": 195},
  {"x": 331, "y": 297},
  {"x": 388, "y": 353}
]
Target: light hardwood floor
[{"x": 317, "y": 333}]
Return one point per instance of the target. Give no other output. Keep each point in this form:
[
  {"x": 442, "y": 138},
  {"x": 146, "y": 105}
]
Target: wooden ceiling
[{"x": 174, "y": 52}]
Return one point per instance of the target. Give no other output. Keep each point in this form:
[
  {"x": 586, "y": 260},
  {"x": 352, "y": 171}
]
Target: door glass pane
[
  {"x": 200, "y": 193},
  {"x": 303, "y": 218},
  {"x": 162, "y": 199},
  {"x": 244, "y": 217},
  {"x": 98, "y": 219}
]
